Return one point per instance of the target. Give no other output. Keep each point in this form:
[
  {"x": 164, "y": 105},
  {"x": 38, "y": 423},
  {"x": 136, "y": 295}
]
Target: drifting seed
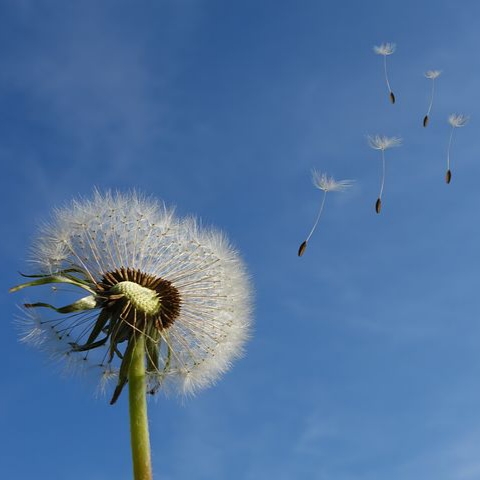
[
  {"x": 425, "y": 121},
  {"x": 378, "y": 205},
  {"x": 392, "y": 97},
  {"x": 302, "y": 248},
  {"x": 448, "y": 176}
]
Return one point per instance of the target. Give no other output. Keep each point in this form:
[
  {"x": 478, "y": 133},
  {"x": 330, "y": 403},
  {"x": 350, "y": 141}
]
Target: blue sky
[{"x": 365, "y": 361}]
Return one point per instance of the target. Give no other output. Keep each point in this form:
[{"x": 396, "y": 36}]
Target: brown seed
[
  {"x": 425, "y": 121},
  {"x": 378, "y": 205},
  {"x": 448, "y": 176},
  {"x": 302, "y": 248},
  {"x": 392, "y": 97}
]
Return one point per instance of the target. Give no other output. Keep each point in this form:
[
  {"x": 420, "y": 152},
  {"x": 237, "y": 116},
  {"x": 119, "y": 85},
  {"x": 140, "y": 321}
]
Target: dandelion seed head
[
  {"x": 180, "y": 284},
  {"x": 381, "y": 142},
  {"x": 385, "y": 49},
  {"x": 328, "y": 184},
  {"x": 458, "y": 120},
  {"x": 433, "y": 74}
]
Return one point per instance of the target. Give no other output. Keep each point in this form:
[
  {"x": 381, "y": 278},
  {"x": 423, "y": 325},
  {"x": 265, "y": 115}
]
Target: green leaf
[
  {"x": 99, "y": 326},
  {"x": 152, "y": 347},
  {"x": 124, "y": 368},
  {"x": 54, "y": 279},
  {"x": 85, "y": 303}
]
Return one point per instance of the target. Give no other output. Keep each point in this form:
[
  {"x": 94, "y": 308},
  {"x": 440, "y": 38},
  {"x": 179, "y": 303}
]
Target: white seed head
[
  {"x": 328, "y": 184},
  {"x": 433, "y": 74},
  {"x": 385, "y": 49},
  {"x": 381, "y": 142},
  {"x": 120, "y": 232},
  {"x": 458, "y": 120}
]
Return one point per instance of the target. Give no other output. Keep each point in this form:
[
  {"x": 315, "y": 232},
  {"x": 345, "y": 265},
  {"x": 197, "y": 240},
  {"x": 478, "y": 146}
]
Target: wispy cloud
[{"x": 100, "y": 96}]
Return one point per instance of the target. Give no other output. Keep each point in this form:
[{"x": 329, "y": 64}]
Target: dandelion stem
[
  {"x": 142, "y": 469},
  {"x": 318, "y": 216}
]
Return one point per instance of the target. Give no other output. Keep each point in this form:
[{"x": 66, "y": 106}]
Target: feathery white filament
[
  {"x": 320, "y": 210},
  {"x": 386, "y": 49},
  {"x": 327, "y": 184},
  {"x": 382, "y": 143},
  {"x": 432, "y": 75},
  {"x": 456, "y": 121},
  {"x": 383, "y": 175},
  {"x": 386, "y": 73},
  {"x": 431, "y": 97},
  {"x": 449, "y": 147}
]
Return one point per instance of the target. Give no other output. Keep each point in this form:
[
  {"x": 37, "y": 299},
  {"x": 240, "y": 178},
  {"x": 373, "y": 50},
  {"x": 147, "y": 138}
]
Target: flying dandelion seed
[
  {"x": 456, "y": 121},
  {"x": 386, "y": 49},
  {"x": 382, "y": 143},
  {"x": 167, "y": 305},
  {"x": 326, "y": 184},
  {"x": 431, "y": 74}
]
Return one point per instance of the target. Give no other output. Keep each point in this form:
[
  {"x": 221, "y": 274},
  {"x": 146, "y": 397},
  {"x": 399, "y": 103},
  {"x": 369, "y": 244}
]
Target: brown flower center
[{"x": 140, "y": 299}]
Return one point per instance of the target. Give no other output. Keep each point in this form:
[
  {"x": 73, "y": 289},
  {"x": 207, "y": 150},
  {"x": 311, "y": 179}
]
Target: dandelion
[
  {"x": 431, "y": 74},
  {"x": 382, "y": 143},
  {"x": 456, "y": 121},
  {"x": 167, "y": 303},
  {"x": 326, "y": 184},
  {"x": 386, "y": 49}
]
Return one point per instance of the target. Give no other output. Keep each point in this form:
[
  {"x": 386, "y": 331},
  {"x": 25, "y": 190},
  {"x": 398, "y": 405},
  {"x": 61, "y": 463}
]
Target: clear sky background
[{"x": 365, "y": 359}]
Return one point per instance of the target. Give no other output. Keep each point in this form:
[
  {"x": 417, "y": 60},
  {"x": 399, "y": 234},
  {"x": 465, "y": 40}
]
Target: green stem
[{"x": 142, "y": 468}]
